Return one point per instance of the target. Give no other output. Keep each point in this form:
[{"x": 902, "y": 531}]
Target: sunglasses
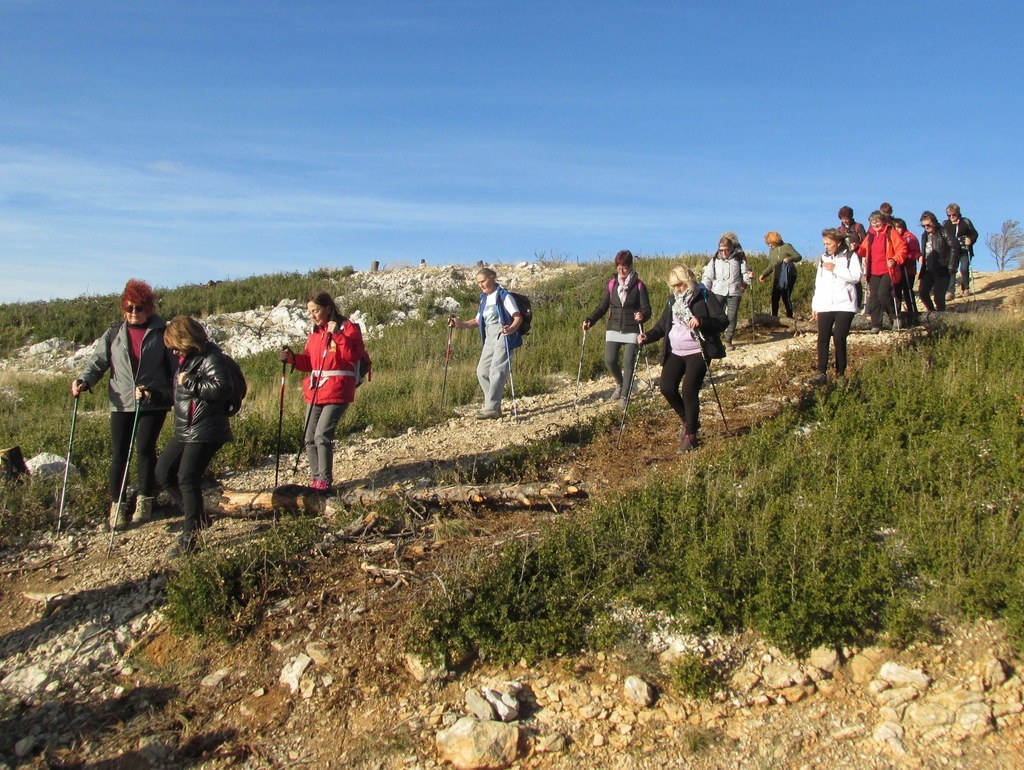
[{"x": 134, "y": 308}]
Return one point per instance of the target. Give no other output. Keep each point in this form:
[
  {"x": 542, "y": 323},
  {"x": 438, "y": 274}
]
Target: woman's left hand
[
  {"x": 694, "y": 322},
  {"x": 638, "y": 316},
  {"x": 332, "y": 326}
]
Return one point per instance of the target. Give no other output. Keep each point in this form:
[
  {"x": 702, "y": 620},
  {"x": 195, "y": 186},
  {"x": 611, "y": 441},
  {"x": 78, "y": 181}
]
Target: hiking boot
[
  {"x": 489, "y": 414},
  {"x": 950, "y": 296},
  {"x": 617, "y": 393},
  {"x": 818, "y": 379},
  {"x": 875, "y": 330},
  {"x": 118, "y": 519},
  {"x": 185, "y": 545},
  {"x": 688, "y": 444},
  {"x": 143, "y": 509}
]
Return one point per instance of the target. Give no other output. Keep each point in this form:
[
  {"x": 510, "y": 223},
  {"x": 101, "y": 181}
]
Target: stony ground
[{"x": 92, "y": 677}]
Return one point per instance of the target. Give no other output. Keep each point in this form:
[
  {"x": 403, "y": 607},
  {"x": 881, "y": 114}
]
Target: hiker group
[{"x": 156, "y": 367}]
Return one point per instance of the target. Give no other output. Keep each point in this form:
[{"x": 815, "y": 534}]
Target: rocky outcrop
[{"x": 249, "y": 332}]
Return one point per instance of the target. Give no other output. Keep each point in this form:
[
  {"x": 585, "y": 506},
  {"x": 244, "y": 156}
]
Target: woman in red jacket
[
  {"x": 883, "y": 253},
  {"x": 332, "y": 355}
]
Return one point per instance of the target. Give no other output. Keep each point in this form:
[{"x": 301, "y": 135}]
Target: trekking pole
[
  {"x": 707, "y": 363},
  {"x": 67, "y": 465},
  {"x": 447, "y": 358},
  {"x": 280, "y": 423},
  {"x": 912, "y": 304},
  {"x": 647, "y": 363},
  {"x": 896, "y": 307},
  {"x": 627, "y": 399},
  {"x": 309, "y": 413},
  {"x": 124, "y": 478},
  {"x": 754, "y": 328},
  {"x": 579, "y": 371},
  {"x": 511, "y": 381}
]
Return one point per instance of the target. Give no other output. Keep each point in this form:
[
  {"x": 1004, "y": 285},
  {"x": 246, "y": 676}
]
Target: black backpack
[
  {"x": 525, "y": 310},
  {"x": 239, "y": 388}
]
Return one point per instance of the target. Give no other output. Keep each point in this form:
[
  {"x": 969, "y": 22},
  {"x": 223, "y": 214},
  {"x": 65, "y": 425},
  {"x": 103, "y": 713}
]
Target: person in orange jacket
[
  {"x": 883, "y": 252},
  {"x": 333, "y": 351}
]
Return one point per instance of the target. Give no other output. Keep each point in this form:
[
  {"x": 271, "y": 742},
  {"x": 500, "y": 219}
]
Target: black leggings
[
  {"x": 180, "y": 472},
  {"x": 146, "y": 436},
  {"x": 786, "y": 295},
  {"x": 690, "y": 371},
  {"x": 833, "y": 327}
]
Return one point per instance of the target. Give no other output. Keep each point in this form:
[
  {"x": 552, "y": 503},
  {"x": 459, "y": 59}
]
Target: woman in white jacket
[{"x": 835, "y": 300}]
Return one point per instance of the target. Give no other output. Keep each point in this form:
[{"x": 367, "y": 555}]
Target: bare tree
[{"x": 1008, "y": 245}]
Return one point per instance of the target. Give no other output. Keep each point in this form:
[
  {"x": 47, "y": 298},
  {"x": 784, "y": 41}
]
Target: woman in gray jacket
[
  {"x": 727, "y": 276},
  {"x": 133, "y": 350},
  {"x": 202, "y": 390}
]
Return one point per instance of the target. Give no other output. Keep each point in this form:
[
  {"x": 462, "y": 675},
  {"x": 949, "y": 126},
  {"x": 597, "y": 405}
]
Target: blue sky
[{"x": 187, "y": 141}]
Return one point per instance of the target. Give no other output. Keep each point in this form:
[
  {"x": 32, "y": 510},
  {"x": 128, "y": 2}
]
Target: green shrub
[
  {"x": 853, "y": 512},
  {"x": 223, "y": 594},
  {"x": 695, "y": 677}
]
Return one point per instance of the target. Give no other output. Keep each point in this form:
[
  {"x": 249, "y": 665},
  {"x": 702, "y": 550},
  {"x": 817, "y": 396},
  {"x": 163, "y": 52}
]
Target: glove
[{"x": 286, "y": 356}]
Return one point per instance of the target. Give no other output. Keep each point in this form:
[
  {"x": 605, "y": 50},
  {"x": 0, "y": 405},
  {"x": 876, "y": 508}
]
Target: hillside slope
[{"x": 93, "y": 677}]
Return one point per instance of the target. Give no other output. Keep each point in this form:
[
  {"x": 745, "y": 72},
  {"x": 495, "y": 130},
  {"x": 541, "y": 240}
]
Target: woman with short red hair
[{"x": 132, "y": 349}]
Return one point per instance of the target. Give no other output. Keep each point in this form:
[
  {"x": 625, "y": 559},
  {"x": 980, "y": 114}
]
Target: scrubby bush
[
  {"x": 862, "y": 507},
  {"x": 224, "y": 593}
]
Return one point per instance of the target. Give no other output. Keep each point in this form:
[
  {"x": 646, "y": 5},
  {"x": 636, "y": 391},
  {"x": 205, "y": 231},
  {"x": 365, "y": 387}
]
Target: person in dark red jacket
[
  {"x": 908, "y": 269},
  {"x": 883, "y": 252},
  {"x": 332, "y": 356}
]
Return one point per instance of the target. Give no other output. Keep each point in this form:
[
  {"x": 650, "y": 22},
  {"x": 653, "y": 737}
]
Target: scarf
[
  {"x": 624, "y": 285},
  {"x": 681, "y": 313}
]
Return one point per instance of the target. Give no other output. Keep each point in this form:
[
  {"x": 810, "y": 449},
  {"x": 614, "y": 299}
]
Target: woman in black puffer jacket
[
  {"x": 628, "y": 307},
  {"x": 691, "y": 325},
  {"x": 202, "y": 390}
]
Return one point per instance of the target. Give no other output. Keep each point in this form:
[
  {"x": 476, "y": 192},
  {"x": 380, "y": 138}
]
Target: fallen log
[
  {"x": 293, "y": 497},
  {"x": 388, "y": 575}
]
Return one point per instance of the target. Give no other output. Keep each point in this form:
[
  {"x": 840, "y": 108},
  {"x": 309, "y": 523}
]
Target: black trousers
[
  {"x": 180, "y": 471},
  {"x": 833, "y": 327},
  {"x": 880, "y": 299},
  {"x": 146, "y": 435},
  {"x": 933, "y": 290},
  {"x": 786, "y": 295},
  {"x": 690, "y": 372}
]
